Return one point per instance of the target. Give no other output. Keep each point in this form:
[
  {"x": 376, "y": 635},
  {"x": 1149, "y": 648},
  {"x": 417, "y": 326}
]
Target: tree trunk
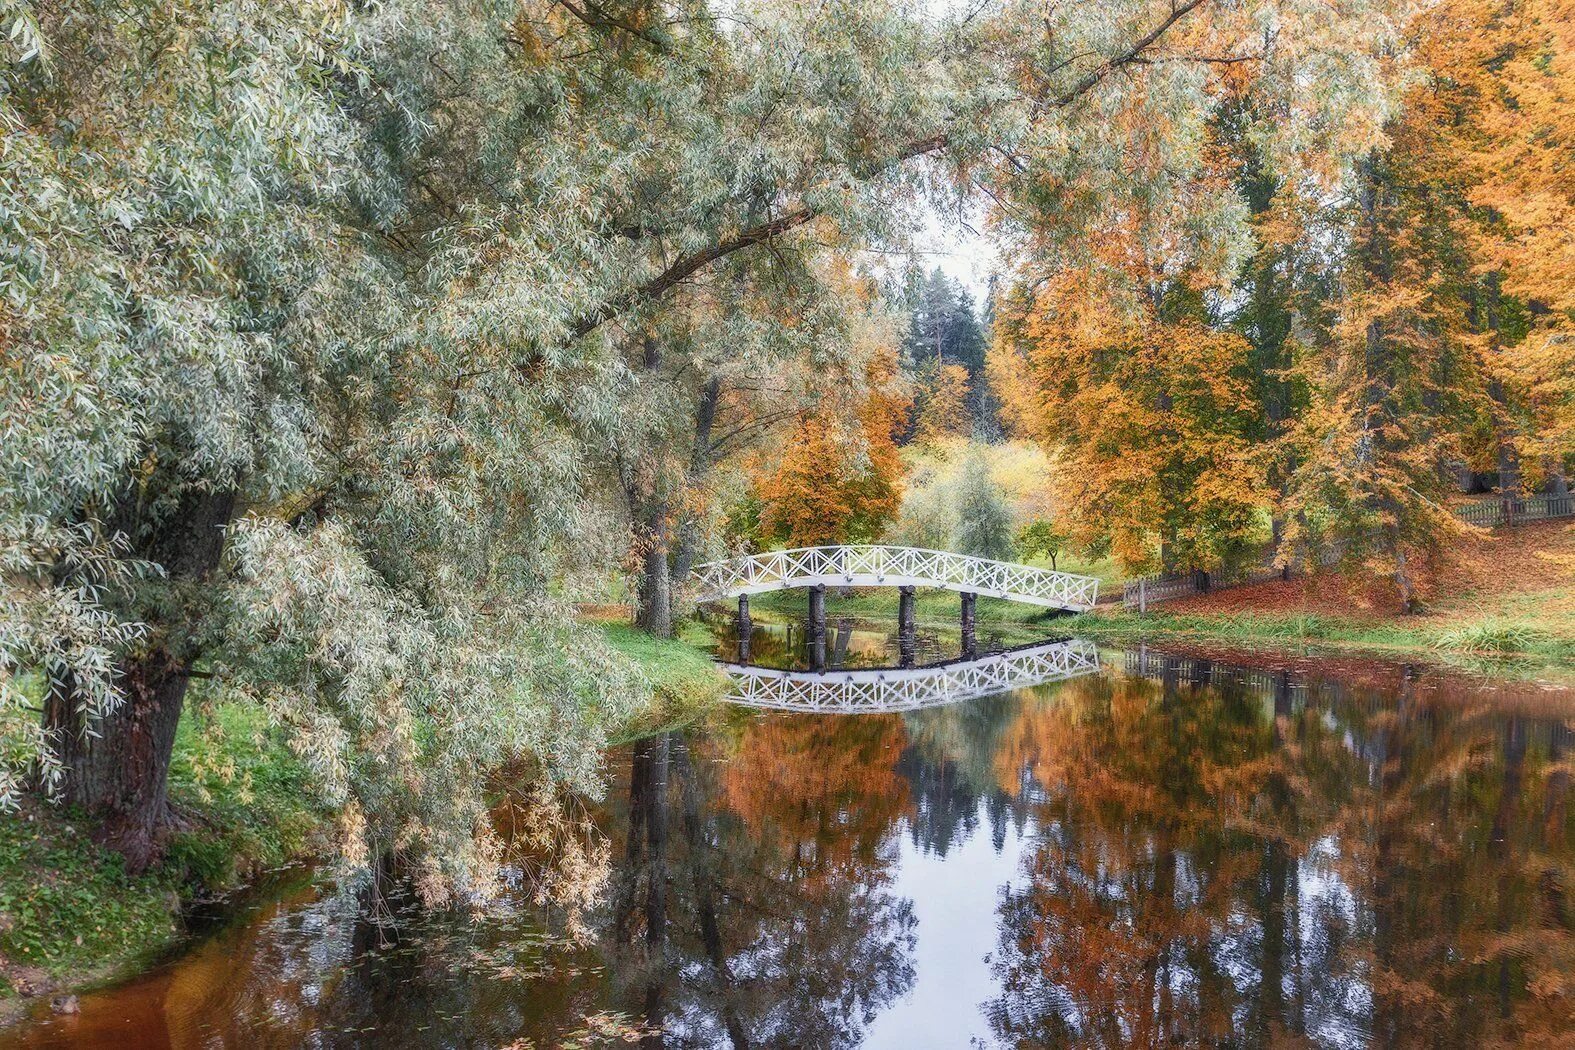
[
  {"x": 654, "y": 612},
  {"x": 1558, "y": 484},
  {"x": 1403, "y": 582},
  {"x": 117, "y": 768},
  {"x": 699, "y": 466}
]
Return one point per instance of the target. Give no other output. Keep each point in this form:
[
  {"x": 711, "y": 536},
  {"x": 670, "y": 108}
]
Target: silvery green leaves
[{"x": 404, "y": 707}]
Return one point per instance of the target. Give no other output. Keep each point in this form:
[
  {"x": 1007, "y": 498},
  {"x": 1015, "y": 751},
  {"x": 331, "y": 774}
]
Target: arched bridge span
[{"x": 879, "y": 566}]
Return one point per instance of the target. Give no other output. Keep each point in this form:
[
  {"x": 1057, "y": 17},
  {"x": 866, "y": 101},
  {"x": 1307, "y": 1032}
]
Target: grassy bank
[
  {"x": 1508, "y": 595},
  {"x": 683, "y": 677},
  {"x": 1486, "y": 636},
  {"x": 70, "y": 915},
  {"x": 1532, "y": 631}
]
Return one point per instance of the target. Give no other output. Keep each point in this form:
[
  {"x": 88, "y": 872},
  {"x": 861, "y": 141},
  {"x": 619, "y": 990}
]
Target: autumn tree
[
  {"x": 1499, "y": 77},
  {"x": 832, "y": 482},
  {"x": 943, "y": 405},
  {"x": 1113, "y": 348},
  {"x": 1409, "y": 358},
  {"x": 1151, "y": 411}
]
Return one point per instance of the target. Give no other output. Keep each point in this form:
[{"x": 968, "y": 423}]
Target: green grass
[
  {"x": 244, "y": 800},
  {"x": 68, "y": 907},
  {"x": 1107, "y": 571},
  {"x": 242, "y": 804},
  {"x": 1493, "y": 636},
  {"x": 1490, "y": 636},
  {"x": 682, "y": 674}
]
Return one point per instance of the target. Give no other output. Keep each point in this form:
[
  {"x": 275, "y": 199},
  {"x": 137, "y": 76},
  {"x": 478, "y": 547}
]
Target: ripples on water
[{"x": 1176, "y": 851}]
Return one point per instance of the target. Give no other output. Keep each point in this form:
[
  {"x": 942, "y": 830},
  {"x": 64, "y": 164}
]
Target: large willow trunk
[
  {"x": 654, "y": 597},
  {"x": 117, "y": 766}
]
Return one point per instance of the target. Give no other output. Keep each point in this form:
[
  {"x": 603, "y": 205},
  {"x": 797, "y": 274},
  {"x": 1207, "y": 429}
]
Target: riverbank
[
  {"x": 70, "y": 915},
  {"x": 684, "y": 679},
  {"x": 1506, "y": 596}
]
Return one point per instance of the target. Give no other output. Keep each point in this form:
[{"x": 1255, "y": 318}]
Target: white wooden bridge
[
  {"x": 851, "y": 692},
  {"x": 876, "y": 566}
]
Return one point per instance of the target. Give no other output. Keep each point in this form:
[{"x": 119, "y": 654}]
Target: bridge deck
[{"x": 880, "y": 566}]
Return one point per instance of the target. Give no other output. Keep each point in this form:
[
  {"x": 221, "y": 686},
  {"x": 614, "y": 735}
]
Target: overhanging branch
[{"x": 687, "y": 266}]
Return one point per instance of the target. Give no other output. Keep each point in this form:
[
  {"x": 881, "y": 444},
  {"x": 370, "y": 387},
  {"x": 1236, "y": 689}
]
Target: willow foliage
[{"x": 317, "y": 326}]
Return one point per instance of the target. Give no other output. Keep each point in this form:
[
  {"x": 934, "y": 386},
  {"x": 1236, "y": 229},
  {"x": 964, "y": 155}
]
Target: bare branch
[
  {"x": 687, "y": 266},
  {"x": 1130, "y": 55}
]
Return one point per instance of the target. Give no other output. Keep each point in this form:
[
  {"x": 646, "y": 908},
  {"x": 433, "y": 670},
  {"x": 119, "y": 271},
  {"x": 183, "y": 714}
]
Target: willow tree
[{"x": 772, "y": 150}]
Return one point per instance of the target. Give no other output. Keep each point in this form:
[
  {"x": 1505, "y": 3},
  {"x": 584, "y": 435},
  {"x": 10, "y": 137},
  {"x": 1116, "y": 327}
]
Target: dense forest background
[{"x": 343, "y": 348}]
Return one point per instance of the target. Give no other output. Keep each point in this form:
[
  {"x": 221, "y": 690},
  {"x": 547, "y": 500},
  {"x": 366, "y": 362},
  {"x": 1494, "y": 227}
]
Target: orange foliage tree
[
  {"x": 1499, "y": 109},
  {"x": 1150, "y": 409},
  {"x": 1434, "y": 351},
  {"x": 838, "y": 476}
]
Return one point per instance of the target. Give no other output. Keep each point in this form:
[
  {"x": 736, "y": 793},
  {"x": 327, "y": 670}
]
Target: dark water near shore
[{"x": 1184, "y": 849}]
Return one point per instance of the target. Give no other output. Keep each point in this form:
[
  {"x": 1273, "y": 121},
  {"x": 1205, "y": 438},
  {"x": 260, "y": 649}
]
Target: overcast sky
[{"x": 960, "y": 247}]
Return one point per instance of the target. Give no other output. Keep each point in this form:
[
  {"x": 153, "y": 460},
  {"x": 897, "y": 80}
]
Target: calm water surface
[{"x": 1180, "y": 850}]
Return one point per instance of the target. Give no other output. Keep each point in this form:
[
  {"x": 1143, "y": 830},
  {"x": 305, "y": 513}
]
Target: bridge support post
[
  {"x": 907, "y": 635},
  {"x": 969, "y": 646},
  {"x": 745, "y": 628},
  {"x": 817, "y": 627}
]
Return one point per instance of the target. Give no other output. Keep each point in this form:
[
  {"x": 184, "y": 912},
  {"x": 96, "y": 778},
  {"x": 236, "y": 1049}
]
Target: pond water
[{"x": 1184, "y": 848}]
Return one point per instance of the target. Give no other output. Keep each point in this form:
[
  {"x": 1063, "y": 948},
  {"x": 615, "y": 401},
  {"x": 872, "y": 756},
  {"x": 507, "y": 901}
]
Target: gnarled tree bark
[{"x": 117, "y": 766}]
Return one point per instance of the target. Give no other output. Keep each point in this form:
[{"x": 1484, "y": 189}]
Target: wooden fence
[
  {"x": 1491, "y": 513},
  {"x": 1144, "y": 591},
  {"x": 1509, "y": 511}
]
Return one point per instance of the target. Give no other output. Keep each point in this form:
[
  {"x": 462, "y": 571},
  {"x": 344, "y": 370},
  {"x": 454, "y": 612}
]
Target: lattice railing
[
  {"x": 846, "y": 692},
  {"x": 874, "y": 566}
]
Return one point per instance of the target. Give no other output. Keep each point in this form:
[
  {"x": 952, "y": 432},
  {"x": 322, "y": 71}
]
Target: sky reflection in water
[{"x": 1176, "y": 849}]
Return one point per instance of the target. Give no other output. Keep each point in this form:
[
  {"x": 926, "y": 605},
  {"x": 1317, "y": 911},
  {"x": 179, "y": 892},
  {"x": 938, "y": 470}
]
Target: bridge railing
[
  {"x": 846, "y": 692},
  {"x": 868, "y": 565}
]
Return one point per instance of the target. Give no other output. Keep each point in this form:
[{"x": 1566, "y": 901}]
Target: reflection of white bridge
[
  {"x": 868, "y": 566},
  {"x": 846, "y": 692}
]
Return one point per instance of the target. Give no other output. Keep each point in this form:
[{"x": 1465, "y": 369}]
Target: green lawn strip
[
  {"x": 68, "y": 908},
  {"x": 1531, "y": 634},
  {"x": 1489, "y": 638},
  {"x": 684, "y": 678}
]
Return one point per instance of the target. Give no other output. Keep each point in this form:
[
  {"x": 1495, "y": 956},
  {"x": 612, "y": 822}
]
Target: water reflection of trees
[
  {"x": 1210, "y": 858},
  {"x": 949, "y": 764},
  {"x": 753, "y": 905},
  {"x": 1222, "y": 864}
]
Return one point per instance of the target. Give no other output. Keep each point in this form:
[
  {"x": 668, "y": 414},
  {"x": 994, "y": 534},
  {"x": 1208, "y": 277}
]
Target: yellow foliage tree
[
  {"x": 943, "y": 412},
  {"x": 1151, "y": 416},
  {"x": 1499, "y": 113}
]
